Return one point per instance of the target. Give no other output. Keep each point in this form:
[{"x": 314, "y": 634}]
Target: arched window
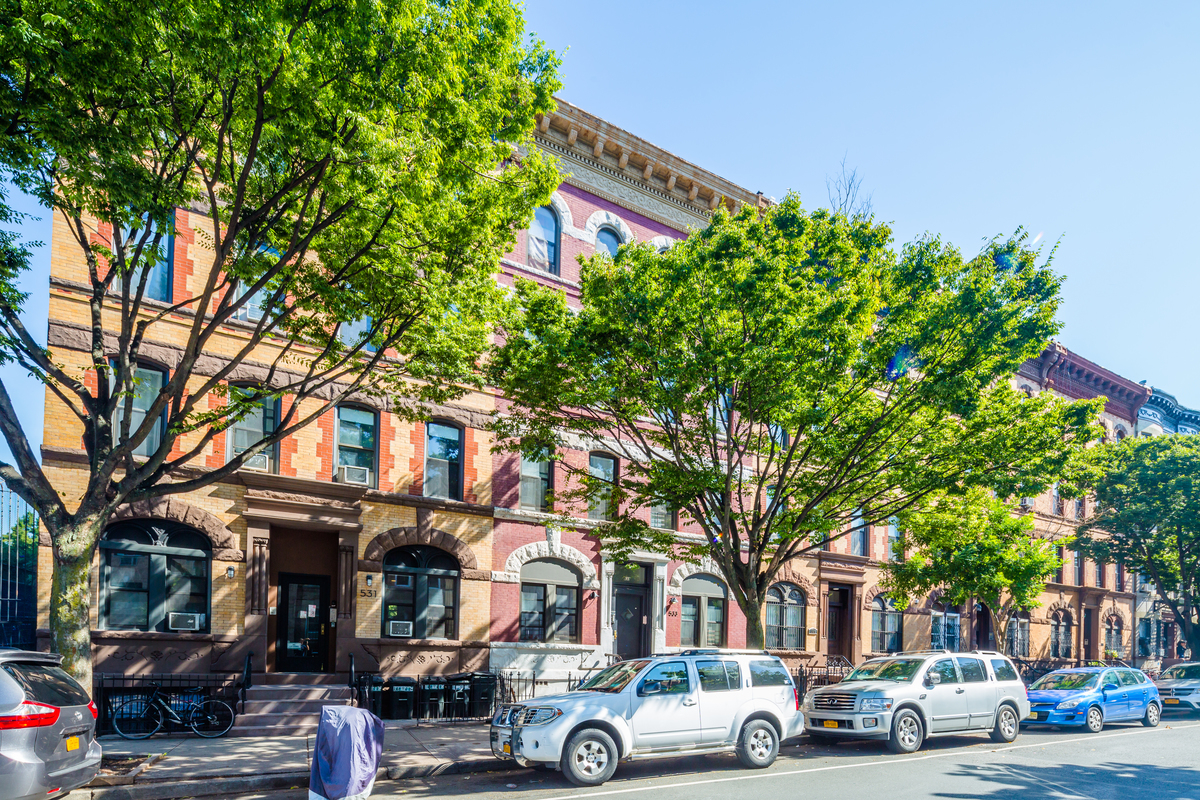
[
  {"x": 608, "y": 240},
  {"x": 945, "y": 627},
  {"x": 258, "y": 423},
  {"x": 1114, "y": 638},
  {"x": 443, "y": 461},
  {"x": 786, "y": 607},
  {"x": 1060, "y": 634},
  {"x": 603, "y": 468},
  {"x": 702, "y": 612},
  {"x": 420, "y": 595},
  {"x": 356, "y": 442},
  {"x": 154, "y": 576},
  {"x": 550, "y": 601},
  {"x": 147, "y": 385},
  {"x": 544, "y": 240},
  {"x": 1018, "y": 635},
  {"x": 887, "y": 631}
]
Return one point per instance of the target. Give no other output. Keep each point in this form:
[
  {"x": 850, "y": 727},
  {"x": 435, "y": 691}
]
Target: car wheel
[
  {"x": 590, "y": 757},
  {"x": 1007, "y": 726},
  {"x": 907, "y": 732},
  {"x": 758, "y": 745},
  {"x": 1153, "y": 713},
  {"x": 1095, "y": 720}
]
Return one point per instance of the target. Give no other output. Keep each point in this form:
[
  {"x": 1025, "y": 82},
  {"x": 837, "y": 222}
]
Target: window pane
[
  {"x": 689, "y": 621},
  {"x": 712, "y": 676},
  {"x": 543, "y": 240},
  {"x": 603, "y": 468},
  {"x": 566, "y": 614},
  {"x": 399, "y": 600},
  {"x": 714, "y": 623},
  {"x": 46, "y": 683},
  {"x": 351, "y": 333},
  {"x": 972, "y": 670},
  {"x": 439, "y": 614},
  {"x": 607, "y": 241},
  {"x": 668, "y": 678},
  {"x": 661, "y": 516},
  {"x": 443, "y": 461},
  {"x": 945, "y": 668},
  {"x": 356, "y": 438},
  {"x": 187, "y": 586},
  {"x": 258, "y": 422},
  {"x": 535, "y": 484},
  {"x": 533, "y": 605},
  {"x": 128, "y": 584},
  {"x": 148, "y": 384}
]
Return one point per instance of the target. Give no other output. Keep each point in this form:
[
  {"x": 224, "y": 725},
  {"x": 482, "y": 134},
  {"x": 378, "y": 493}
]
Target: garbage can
[
  {"x": 483, "y": 694},
  {"x": 458, "y": 695},
  {"x": 373, "y": 688},
  {"x": 431, "y": 697},
  {"x": 402, "y": 697}
]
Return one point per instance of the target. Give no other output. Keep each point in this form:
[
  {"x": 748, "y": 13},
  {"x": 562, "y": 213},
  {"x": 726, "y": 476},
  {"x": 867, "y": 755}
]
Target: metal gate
[{"x": 18, "y": 571}]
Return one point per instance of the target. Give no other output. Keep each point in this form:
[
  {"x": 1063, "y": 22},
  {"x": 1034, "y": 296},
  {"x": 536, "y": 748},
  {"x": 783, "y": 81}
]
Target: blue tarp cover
[{"x": 346, "y": 756}]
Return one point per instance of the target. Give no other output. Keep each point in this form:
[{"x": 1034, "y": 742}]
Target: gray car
[{"x": 47, "y": 727}]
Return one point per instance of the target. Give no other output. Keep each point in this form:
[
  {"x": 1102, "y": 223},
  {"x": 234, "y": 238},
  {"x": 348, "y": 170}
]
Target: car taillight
[
  {"x": 796, "y": 691},
  {"x": 29, "y": 715},
  {"x": 92, "y": 708}
]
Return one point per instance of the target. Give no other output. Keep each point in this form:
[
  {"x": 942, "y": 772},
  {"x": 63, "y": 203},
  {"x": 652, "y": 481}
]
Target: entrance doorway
[
  {"x": 837, "y": 621},
  {"x": 302, "y": 641},
  {"x": 984, "y": 638},
  {"x": 1089, "y": 634},
  {"x": 631, "y": 609}
]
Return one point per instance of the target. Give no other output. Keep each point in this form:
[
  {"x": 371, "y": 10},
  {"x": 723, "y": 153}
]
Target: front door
[
  {"x": 630, "y": 608},
  {"x": 303, "y": 625},
  {"x": 837, "y": 624},
  {"x": 1089, "y": 635}
]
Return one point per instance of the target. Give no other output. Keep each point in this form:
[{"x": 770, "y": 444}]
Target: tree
[
  {"x": 359, "y": 169},
  {"x": 773, "y": 376},
  {"x": 972, "y": 547},
  {"x": 1147, "y": 517}
]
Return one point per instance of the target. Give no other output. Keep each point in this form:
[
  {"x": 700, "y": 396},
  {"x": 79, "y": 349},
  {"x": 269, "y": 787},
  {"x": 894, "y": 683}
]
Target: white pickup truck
[{"x": 678, "y": 704}]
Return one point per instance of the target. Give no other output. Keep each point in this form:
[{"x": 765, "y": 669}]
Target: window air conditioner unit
[
  {"x": 258, "y": 463},
  {"x": 399, "y": 629},
  {"x": 359, "y": 476},
  {"x": 178, "y": 621},
  {"x": 1026, "y": 502}
]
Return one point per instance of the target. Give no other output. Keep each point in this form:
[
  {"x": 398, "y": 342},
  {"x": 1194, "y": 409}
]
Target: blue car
[{"x": 1093, "y": 696}]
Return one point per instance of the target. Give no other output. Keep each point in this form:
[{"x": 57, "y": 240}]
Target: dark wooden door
[
  {"x": 837, "y": 627},
  {"x": 630, "y": 608},
  {"x": 303, "y": 627},
  {"x": 1089, "y": 635}
]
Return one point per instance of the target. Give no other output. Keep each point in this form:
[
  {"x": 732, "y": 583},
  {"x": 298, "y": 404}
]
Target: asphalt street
[{"x": 1122, "y": 762}]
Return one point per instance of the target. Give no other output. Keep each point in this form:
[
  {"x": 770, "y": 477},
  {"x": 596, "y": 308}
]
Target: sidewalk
[{"x": 194, "y": 767}]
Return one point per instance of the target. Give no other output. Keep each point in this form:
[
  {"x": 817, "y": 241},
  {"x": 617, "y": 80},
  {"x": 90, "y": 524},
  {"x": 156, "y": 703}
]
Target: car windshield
[
  {"x": 1183, "y": 672},
  {"x": 614, "y": 678},
  {"x": 887, "y": 669},
  {"x": 1065, "y": 681}
]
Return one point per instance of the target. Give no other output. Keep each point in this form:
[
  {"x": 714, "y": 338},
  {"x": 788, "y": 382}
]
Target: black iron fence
[
  {"x": 810, "y": 677},
  {"x": 1032, "y": 669},
  {"x": 18, "y": 572},
  {"x": 448, "y": 698},
  {"x": 110, "y": 690}
]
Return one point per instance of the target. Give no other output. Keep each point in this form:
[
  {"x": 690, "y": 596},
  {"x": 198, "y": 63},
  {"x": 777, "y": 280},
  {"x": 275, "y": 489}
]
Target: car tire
[
  {"x": 908, "y": 734},
  {"x": 590, "y": 757},
  {"x": 758, "y": 744},
  {"x": 1094, "y": 721},
  {"x": 1007, "y": 725},
  {"x": 1152, "y": 716}
]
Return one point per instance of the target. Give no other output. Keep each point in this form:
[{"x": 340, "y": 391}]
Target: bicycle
[{"x": 142, "y": 717}]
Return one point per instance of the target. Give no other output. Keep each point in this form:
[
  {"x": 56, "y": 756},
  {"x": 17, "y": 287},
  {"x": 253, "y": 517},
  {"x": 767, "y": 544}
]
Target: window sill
[
  {"x": 171, "y": 636},
  {"x": 572, "y": 647}
]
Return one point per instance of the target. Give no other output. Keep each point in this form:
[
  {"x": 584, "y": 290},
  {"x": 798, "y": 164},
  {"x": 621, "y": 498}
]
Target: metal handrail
[{"x": 246, "y": 680}]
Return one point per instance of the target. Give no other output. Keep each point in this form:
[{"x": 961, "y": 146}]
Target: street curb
[{"x": 447, "y": 768}]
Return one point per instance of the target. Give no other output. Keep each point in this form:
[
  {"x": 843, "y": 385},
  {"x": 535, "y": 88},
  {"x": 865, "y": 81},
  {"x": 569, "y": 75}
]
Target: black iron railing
[
  {"x": 246, "y": 681},
  {"x": 110, "y": 690},
  {"x": 1032, "y": 669},
  {"x": 810, "y": 677}
]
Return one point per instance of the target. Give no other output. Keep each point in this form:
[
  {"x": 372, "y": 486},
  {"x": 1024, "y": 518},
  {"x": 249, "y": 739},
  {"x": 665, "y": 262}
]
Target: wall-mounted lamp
[
  {"x": 230, "y": 572},
  {"x": 370, "y": 579},
  {"x": 671, "y": 600},
  {"x": 593, "y": 594}
]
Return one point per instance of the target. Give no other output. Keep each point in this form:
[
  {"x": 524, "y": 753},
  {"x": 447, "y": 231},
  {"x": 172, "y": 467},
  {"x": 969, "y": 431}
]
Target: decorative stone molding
[
  {"x": 566, "y": 221},
  {"x": 789, "y": 575},
  {"x": 706, "y": 567},
  {"x": 600, "y": 219},
  {"x": 661, "y": 243},
  {"x": 1119, "y": 613},
  {"x": 225, "y": 543},
  {"x": 870, "y": 595},
  {"x": 1060, "y": 605},
  {"x": 377, "y": 548},
  {"x": 551, "y": 548}
]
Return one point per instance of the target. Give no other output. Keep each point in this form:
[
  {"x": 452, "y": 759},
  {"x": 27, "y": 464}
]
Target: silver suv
[
  {"x": 47, "y": 727},
  {"x": 908, "y": 697},
  {"x": 678, "y": 704}
]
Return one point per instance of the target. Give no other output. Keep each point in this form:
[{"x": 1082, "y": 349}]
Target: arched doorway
[{"x": 985, "y": 637}]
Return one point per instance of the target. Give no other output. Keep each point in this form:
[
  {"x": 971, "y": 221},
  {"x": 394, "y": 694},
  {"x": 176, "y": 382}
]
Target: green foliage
[
  {"x": 972, "y": 547},
  {"x": 773, "y": 373},
  {"x": 1147, "y": 517}
]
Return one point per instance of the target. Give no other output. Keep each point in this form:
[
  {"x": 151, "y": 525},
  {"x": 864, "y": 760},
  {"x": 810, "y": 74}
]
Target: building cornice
[{"x": 1071, "y": 375}]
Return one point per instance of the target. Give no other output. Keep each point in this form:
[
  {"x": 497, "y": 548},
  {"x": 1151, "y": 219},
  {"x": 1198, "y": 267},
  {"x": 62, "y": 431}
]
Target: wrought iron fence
[
  {"x": 180, "y": 691},
  {"x": 810, "y": 677},
  {"x": 1031, "y": 670},
  {"x": 18, "y": 571}
]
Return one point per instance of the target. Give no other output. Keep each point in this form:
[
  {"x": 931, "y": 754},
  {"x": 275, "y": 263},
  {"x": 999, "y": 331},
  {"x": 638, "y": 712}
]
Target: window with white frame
[
  {"x": 702, "y": 612},
  {"x": 945, "y": 628},
  {"x": 603, "y": 469},
  {"x": 147, "y": 385},
  {"x": 550, "y": 601},
  {"x": 356, "y": 443},
  {"x": 887, "y": 626},
  {"x": 544, "y": 238},
  {"x": 258, "y": 422},
  {"x": 443, "y": 461},
  {"x": 537, "y": 482}
]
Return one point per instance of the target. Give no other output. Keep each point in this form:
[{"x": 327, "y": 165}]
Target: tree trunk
[
  {"x": 755, "y": 637},
  {"x": 70, "y": 603}
]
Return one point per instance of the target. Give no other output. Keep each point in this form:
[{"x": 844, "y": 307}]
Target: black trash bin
[
  {"x": 373, "y": 688},
  {"x": 458, "y": 695},
  {"x": 431, "y": 697},
  {"x": 402, "y": 697},
  {"x": 483, "y": 694}
]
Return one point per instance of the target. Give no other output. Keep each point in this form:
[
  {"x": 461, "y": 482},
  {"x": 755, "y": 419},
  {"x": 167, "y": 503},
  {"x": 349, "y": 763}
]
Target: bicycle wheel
[
  {"x": 211, "y": 718},
  {"x": 137, "y": 718}
]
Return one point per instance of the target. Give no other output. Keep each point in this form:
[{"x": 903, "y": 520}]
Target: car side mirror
[
  {"x": 1110, "y": 687},
  {"x": 649, "y": 688},
  {"x": 933, "y": 679}
]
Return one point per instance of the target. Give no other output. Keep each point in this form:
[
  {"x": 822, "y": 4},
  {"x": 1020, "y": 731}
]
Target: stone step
[
  {"x": 301, "y": 678},
  {"x": 292, "y": 706},
  {"x": 255, "y": 720},
  {"x": 279, "y": 729},
  {"x": 298, "y": 693}
]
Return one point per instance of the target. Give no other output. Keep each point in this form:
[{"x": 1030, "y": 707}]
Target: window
[
  {"x": 1004, "y": 670},
  {"x": 786, "y": 605},
  {"x": 356, "y": 441},
  {"x": 719, "y": 676},
  {"x": 1143, "y": 638},
  {"x": 1120, "y": 577},
  {"x": 670, "y": 677},
  {"x": 1079, "y": 508},
  {"x": 1058, "y": 504},
  {"x": 1060, "y": 634},
  {"x": 893, "y": 541},
  {"x": 443, "y": 461},
  {"x": 886, "y": 626},
  {"x": 663, "y": 516},
  {"x": 1100, "y": 579},
  {"x": 536, "y": 484},
  {"x": 1062, "y": 559},
  {"x": 351, "y": 333},
  {"x": 255, "y": 425},
  {"x": 603, "y": 468},
  {"x": 154, "y": 576},
  {"x": 1078, "y": 568},
  {"x": 860, "y": 535},
  {"x": 549, "y": 601},
  {"x": 544, "y": 240},
  {"x": 147, "y": 385},
  {"x": 972, "y": 670},
  {"x": 702, "y": 612},
  {"x": 252, "y": 309},
  {"x": 765, "y": 672},
  {"x": 1114, "y": 639},
  {"x": 945, "y": 628},
  {"x": 945, "y": 668},
  {"x": 420, "y": 594},
  {"x": 607, "y": 241},
  {"x": 161, "y": 262},
  {"x": 1018, "y": 635}
]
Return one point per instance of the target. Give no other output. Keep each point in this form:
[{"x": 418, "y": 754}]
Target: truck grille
[
  {"x": 536, "y": 716},
  {"x": 834, "y": 701}
]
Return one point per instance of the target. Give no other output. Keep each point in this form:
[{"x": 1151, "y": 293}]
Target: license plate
[
  {"x": 831, "y": 723},
  {"x": 1171, "y": 701},
  {"x": 507, "y": 748},
  {"x": 1032, "y": 715},
  {"x": 73, "y": 743}
]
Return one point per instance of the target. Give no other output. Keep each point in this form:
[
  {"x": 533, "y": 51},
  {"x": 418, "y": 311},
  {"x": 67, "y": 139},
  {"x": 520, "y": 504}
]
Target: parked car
[
  {"x": 906, "y": 698},
  {"x": 47, "y": 727},
  {"x": 1093, "y": 696},
  {"x": 1179, "y": 687},
  {"x": 688, "y": 703}
]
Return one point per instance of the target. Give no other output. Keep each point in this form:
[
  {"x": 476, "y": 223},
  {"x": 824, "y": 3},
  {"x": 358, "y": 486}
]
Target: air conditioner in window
[
  {"x": 399, "y": 629},
  {"x": 258, "y": 463},
  {"x": 1026, "y": 503},
  {"x": 178, "y": 621},
  {"x": 359, "y": 476}
]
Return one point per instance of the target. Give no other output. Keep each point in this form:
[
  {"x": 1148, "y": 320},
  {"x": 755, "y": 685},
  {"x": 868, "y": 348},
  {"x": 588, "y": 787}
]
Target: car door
[
  {"x": 947, "y": 699},
  {"x": 665, "y": 708},
  {"x": 980, "y": 692},
  {"x": 722, "y": 695},
  {"x": 1136, "y": 696},
  {"x": 1116, "y": 706}
]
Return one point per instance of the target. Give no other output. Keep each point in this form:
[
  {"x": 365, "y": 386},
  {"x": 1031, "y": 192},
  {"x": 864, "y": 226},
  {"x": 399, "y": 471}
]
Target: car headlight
[
  {"x": 808, "y": 703},
  {"x": 539, "y": 715},
  {"x": 1065, "y": 704},
  {"x": 875, "y": 704}
]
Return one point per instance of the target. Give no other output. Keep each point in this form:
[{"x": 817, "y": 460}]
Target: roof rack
[
  {"x": 987, "y": 653},
  {"x": 714, "y": 651},
  {"x": 922, "y": 652}
]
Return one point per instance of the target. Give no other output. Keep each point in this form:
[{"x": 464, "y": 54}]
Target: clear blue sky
[{"x": 1077, "y": 121}]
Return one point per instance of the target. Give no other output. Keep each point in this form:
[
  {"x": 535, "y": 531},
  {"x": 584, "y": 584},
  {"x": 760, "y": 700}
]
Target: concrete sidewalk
[{"x": 194, "y": 767}]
